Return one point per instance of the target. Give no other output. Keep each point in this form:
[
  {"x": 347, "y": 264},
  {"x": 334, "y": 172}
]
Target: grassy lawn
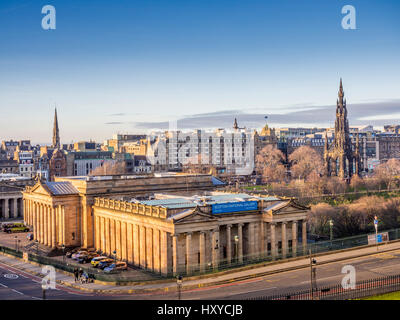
[{"x": 387, "y": 296}]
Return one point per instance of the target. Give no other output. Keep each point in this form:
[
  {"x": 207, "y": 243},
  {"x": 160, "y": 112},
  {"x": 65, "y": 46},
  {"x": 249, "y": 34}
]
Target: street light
[
  {"x": 115, "y": 256},
  {"x": 16, "y": 239},
  {"x": 313, "y": 274},
  {"x": 37, "y": 247},
  {"x": 179, "y": 284},
  {"x": 376, "y": 231},
  {"x": 63, "y": 249},
  {"x": 236, "y": 248},
  {"x": 331, "y": 230}
]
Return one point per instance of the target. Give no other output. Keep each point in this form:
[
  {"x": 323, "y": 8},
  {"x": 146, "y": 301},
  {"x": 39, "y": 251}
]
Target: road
[{"x": 26, "y": 286}]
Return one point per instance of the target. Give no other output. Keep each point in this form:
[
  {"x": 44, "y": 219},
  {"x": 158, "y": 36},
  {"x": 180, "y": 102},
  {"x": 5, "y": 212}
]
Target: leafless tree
[{"x": 269, "y": 163}]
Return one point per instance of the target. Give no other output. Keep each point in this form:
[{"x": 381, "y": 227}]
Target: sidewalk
[{"x": 198, "y": 282}]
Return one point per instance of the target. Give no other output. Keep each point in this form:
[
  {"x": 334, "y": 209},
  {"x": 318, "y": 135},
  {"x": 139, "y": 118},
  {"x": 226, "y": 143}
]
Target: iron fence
[{"x": 361, "y": 289}]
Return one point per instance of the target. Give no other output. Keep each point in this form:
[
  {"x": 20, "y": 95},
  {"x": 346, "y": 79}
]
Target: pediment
[
  {"x": 195, "y": 216},
  {"x": 290, "y": 207},
  {"x": 40, "y": 189}
]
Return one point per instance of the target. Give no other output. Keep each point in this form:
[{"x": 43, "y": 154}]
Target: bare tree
[
  {"x": 269, "y": 163},
  {"x": 304, "y": 161},
  {"x": 388, "y": 172}
]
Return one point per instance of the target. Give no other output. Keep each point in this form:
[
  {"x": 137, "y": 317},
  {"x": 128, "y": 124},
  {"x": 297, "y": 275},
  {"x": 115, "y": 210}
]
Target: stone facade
[
  {"x": 10, "y": 202},
  {"x": 169, "y": 242}
]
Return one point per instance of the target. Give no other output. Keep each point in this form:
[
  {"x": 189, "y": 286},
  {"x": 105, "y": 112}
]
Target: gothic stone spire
[{"x": 56, "y": 134}]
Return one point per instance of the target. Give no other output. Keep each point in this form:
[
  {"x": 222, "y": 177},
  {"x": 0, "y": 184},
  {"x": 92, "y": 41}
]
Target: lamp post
[
  {"x": 37, "y": 247},
  {"x": 331, "y": 230},
  {"x": 313, "y": 274},
  {"x": 115, "y": 256},
  {"x": 16, "y": 241},
  {"x": 63, "y": 249},
  {"x": 237, "y": 248},
  {"x": 376, "y": 231},
  {"x": 179, "y": 284}
]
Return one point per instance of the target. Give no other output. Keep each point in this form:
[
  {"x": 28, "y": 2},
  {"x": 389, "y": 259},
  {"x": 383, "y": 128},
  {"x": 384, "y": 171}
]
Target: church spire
[{"x": 56, "y": 133}]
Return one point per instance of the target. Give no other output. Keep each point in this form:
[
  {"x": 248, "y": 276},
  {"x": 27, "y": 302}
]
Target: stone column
[
  {"x": 129, "y": 239},
  {"x": 228, "y": 244},
  {"x": 15, "y": 204},
  {"x": 64, "y": 238},
  {"x": 284, "y": 240},
  {"x": 304, "y": 236},
  {"x": 35, "y": 222},
  {"x": 294, "y": 238},
  {"x": 41, "y": 223},
  {"x": 48, "y": 225},
  {"x": 136, "y": 244},
  {"x": 189, "y": 255},
  {"x": 215, "y": 248},
  {"x": 240, "y": 244},
  {"x": 124, "y": 243},
  {"x": 175, "y": 269},
  {"x": 97, "y": 233},
  {"x": 156, "y": 250},
  {"x": 163, "y": 252},
  {"x": 262, "y": 239},
  {"x": 149, "y": 248},
  {"x": 53, "y": 228},
  {"x": 6, "y": 209},
  {"x": 273, "y": 241},
  {"x": 202, "y": 248},
  {"x": 142, "y": 246}
]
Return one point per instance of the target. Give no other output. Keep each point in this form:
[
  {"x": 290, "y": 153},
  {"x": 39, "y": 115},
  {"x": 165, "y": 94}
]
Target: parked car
[
  {"x": 85, "y": 258},
  {"x": 70, "y": 253},
  {"x": 15, "y": 227},
  {"x": 116, "y": 267},
  {"x": 105, "y": 263},
  {"x": 77, "y": 255},
  {"x": 96, "y": 260}
]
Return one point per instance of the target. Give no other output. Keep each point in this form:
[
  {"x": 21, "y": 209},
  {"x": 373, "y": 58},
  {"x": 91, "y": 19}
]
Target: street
[{"x": 16, "y": 284}]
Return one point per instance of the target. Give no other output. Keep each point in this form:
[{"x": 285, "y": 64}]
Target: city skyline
[{"x": 152, "y": 62}]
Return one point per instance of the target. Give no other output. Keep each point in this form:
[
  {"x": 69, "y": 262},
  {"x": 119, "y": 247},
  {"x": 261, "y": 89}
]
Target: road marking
[
  {"x": 11, "y": 276},
  {"x": 3, "y": 285},
  {"x": 17, "y": 291},
  {"x": 321, "y": 279},
  {"x": 36, "y": 298}
]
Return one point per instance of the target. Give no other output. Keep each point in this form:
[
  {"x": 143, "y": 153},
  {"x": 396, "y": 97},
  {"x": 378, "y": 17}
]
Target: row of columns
[
  {"x": 9, "y": 207},
  {"x": 144, "y": 246},
  {"x": 252, "y": 244},
  {"x": 47, "y": 222}
]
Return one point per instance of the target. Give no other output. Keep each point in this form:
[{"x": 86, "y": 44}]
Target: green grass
[{"x": 387, "y": 296}]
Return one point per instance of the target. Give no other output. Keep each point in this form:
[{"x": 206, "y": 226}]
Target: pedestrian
[
  {"x": 80, "y": 273},
  {"x": 76, "y": 274}
]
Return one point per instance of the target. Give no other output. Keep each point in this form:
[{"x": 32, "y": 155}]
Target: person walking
[
  {"x": 80, "y": 273},
  {"x": 76, "y": 274}
]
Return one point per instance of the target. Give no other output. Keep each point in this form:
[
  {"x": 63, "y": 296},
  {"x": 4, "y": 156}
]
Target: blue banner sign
[{"x": 234, "y": 207}]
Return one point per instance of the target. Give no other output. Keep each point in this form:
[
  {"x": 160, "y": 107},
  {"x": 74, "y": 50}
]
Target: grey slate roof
[{"x": 61, "y": 188}]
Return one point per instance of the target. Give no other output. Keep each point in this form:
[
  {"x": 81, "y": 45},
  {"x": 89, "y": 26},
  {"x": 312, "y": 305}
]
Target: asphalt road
[{"x": 22, "y": 285}]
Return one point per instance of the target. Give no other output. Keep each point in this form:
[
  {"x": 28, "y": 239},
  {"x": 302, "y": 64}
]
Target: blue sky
[{"x": 111, "y": 64}]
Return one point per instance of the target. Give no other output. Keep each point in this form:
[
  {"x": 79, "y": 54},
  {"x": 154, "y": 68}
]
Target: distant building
[{"x": 9, "y": 166}]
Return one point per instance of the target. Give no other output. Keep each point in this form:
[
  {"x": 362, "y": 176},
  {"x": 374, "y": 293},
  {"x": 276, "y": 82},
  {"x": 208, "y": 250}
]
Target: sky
[{"x": 129, "y": 66}]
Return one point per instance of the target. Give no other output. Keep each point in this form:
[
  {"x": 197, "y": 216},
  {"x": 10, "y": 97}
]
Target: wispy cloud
[{"x": 375, "y": 113}]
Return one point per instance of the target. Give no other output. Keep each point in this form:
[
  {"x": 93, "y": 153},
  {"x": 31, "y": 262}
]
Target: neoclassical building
[{"x": 165, "y": 225}]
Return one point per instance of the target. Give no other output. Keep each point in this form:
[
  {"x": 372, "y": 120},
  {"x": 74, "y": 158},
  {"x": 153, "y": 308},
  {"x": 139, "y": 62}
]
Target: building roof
[{"x": 61, "y": 188}]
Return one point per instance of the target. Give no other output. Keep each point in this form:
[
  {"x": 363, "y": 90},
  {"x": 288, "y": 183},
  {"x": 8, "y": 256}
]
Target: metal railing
[{"x": 362, "y": 289}]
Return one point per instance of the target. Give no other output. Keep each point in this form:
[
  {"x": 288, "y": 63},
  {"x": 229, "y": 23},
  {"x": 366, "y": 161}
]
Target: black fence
[
  {"x": 13, "y": 252},
  {"x": 361, "y": 289}
]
